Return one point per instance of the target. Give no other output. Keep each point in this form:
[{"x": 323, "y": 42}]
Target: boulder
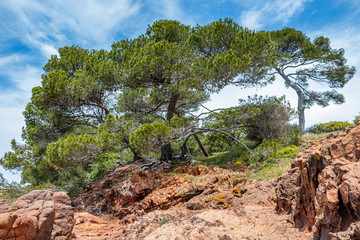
[{"x": 40, "y": 215}]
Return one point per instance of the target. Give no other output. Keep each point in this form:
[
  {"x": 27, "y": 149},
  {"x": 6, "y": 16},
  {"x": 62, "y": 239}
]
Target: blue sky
[{"x": 32, "y": 30}]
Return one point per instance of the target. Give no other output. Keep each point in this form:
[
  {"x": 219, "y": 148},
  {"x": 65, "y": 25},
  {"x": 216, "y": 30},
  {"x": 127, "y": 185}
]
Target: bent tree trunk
[
  {"x": 136, "y": 154},
  {"x": 300, "y": 94},
  {"x": 301, "y": 110},
  {"x": 166, "y": 151},
  {"x": 201, "y": 146}
]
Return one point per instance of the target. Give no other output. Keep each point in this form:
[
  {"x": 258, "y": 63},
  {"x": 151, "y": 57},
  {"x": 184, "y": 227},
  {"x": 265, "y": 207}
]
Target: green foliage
[
  {"x": 107, "y": 162},
  {"x": 328, "y": 127},
  {"x": 222, "y": 159},
  {"x": 232, "y": 118},
  {"x": 356, "y": 120},
  {"x": 301, "y": 61},
  {"x": 268, "y": 119},
  {"x": 269, "y": 150},
  {"x": 229, "y": 51},
  {"x": 287, "y": 152},
  {"x": 164, "y": 220},
  {"x": 149, "y": 137}
]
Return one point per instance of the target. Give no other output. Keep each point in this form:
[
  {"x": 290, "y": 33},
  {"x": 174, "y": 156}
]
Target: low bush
[
  {"x": 287, "y": 152},
  {"x": 223, "y": 158},
  {"x": 357, "y": 118},
  {"x": 328, "y": 127},
  {"x": 268, "y": 151}
]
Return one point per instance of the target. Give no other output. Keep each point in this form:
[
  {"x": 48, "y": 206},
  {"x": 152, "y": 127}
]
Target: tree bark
[
  {"x": 300, "y": 94},
  {"x": 171, "y": 107},
  {"x": 166, "y": 150},
  {"x": 137, "y": 156},
  {"x": 206, "y": 154}
]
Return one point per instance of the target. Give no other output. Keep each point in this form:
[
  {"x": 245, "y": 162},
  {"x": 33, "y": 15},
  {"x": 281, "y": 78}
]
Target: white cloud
[
  {"x": 5, "y": 61},
  {"x": 97, "y": 19},
  {"x": 52, "y": 24},
  {"x": 169, "y": 9},
  {"x": 251, "y": 19},
  {"x": 271, "y": 12},
  {"x": 12, "y": 103}
]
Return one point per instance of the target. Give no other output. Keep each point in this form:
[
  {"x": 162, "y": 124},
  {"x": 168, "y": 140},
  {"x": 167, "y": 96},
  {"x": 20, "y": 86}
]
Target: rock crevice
[{"x": 322, "y": 190}]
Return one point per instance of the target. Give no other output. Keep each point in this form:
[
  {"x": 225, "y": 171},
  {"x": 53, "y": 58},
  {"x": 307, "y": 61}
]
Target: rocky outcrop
[
  {"x": 322, "y": 190},
  {"x": 40, "y": 215},
  {"x": 251, "y": 215},
  {"x": 193, "y": 202},
  {"x": 321, "y": 193},
  {"x": 140, "y": 192}
]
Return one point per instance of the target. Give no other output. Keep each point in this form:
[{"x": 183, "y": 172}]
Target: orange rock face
[
  {"x": 91, "y": 227},
  {"x": 191, "y": 170},
  {"x": 322, "y": 190},
  {"x": 40, "y": 214},
  {"x": 139, "y": 192},
  {"x": 195, "y": 203}
]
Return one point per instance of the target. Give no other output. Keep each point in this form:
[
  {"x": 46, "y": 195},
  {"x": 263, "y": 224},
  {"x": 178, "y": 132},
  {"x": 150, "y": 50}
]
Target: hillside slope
[{"x": 319, "y": 198}]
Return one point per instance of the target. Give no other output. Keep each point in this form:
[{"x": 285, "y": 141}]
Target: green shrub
[
  {"x": 107, "y": 162},
  {"x": 268, "y": 151},
  {"x": 328, "y": 127},
  {"x": 287, "y": 152},
  {"x": 240, "y": 160},
  {"x": 164, "y": 220},
  {"x": 357, "y": 118},
  {"x": 222, "y": 159},
  {"x": 271, "y": 121}
]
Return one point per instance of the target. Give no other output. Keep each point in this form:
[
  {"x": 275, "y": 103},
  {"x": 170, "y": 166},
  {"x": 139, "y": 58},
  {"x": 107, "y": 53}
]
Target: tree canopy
[
  {"x": 95, "y": 107},
  {"x": 301, "y": 62}
]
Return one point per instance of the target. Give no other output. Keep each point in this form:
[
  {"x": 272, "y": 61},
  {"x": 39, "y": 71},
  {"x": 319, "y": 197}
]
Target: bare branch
[
  {"x": 304, "y": 63},
  {"x": 93, "y": 133},
  {"x": 212, "y": 111},
  {"x": 227, "y": 134}
]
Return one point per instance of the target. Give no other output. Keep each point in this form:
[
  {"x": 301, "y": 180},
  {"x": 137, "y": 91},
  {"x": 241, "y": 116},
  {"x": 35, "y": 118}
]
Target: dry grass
[{"x": 270, "y": 171}]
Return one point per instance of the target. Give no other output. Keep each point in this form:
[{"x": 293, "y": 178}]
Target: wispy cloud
[
  {"x": 7, "y": 60},
  {"x": 169, "y": 9},
  {"x": 51, "y": 24},
  {"x": 271, "y": 12}
]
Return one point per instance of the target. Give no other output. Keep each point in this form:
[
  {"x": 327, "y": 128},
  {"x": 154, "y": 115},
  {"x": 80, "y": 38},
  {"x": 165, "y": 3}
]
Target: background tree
[
  {"x": 301, "y": 61},
  {"x": 254, "y": 119},
  {"x": 268, "y": 119},
  {"x": 75, "y": 98}
]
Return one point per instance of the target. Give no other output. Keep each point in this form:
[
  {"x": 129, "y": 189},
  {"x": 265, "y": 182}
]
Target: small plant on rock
[{"x": 164, "y": 220}]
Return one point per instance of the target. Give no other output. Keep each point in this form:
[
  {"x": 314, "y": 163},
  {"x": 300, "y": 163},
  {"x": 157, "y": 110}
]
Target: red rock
[
  {"x": 88, "y": 226},
  {"x": 191, "y": 170},
  {"x": 37, "y": 215},
  {"x": 322, "y": 190}
]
